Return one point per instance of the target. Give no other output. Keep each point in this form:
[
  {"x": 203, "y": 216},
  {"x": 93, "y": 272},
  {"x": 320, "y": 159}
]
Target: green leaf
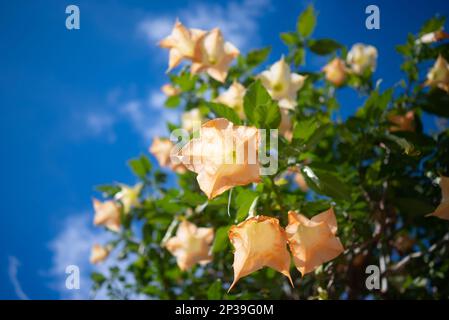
[
  {"x": 260, "y": 109},
  {"x": 224, "y": 111},
  {"x": 433, "y": 24},
  {"x": 255, "y": 96},
  {"x": 140, "y": 166},
  {"x": 244, "y": 201},
  {"x": 221, "y": 239},
  {"x": 185, "y": 81},
  {"x": 289, "y": 38},
  {"x": 307, "y": 22},
  {"x": 256, "y": 57},
  {"x": 173, "y": 101},
  {"x": 215, "y": 290},
  {"x": 326, "y": 183},
  {"x": 304, "y": 129},
  {"x": 324, "y": 46},
  {"x": 435, "y": 102},
  {"x": 108, "y": 190},
  {"x": 317, "y": 135},
  {"x": 267, "y": 116},
  {"x": 97, "y": 278}
]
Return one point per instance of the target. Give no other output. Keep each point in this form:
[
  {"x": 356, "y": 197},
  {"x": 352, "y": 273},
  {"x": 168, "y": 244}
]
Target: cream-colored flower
[
  {"x": 169, "y": 90},
  {"x": 282, "y": 84},
  {"x": 432, "y": 37},
  {"x": 98, "y": 254},
  {"x": 442, "y": 211},
  {"x": 402, "y": 122},
  {"x": 362, "y": 57},
  {"x": 182, "y": 43},
  {"x": 233, "y": 98},
  {"x": 259, "y": 242},
  {"x": 129, "y": 196},
  {"x": 286, "y": 126},
  {"x": 191, "y": 120},
  {"x": 107, "y": 213},
  {"x": 191, "y": 245},
  {"x": 335, "y": 72},
  {"x": 162, "y": 150},
  {"x": 213, "y": 55},
  {"x": 438, "y": 76},
  {"x": 224, "y": 156},
  {"x": 313, "y": 242}
]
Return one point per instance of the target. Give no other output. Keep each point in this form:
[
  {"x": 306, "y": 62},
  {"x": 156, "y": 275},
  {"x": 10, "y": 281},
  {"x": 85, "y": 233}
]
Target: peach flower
[
  {"x": 169, "y": 90},
  {"x": 402, "y": 122},
  {"x": 191, "y": 119},
  {"x": 438, "y": 76},
  {"x": 233, "y": 98},
  {"x": 335, "y": 72},
  {"x": 442, "y": 211},
  {"x": 129, "y": 196},
  {"x": 161, "y": 149},
  {"x": 107, "y": 213},
  {"x": 98, "y": 254},
  {"x": 432, "y": 37}
]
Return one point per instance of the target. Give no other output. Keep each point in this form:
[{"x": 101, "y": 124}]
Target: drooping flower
[
  {"x": 259, "y": 242},
  {"x": 313, "y": 241},
  {"x": 223, "y": 155},
  {"x": 169, "y": 90},
  {"x": 213, "y": 55},
  {"x": 233, "y": 98},
  {"x": 362, "y": 57},
  {"x": 98, "y": 254},
  {"x": 191, "y": 245},
  {"x": 442, "y": 211},
  {"x": 162, "y": 150},
  {"x": 191, "y": 119},
  {"x": 335, "y": 72},
  {"x": 129, "y": 196},
  {"x": 282, "y": 84},
  {"x": 286, "y": 126},
  {"x": 432, "y": 37},
  {"x": 438, "y": 76},
  {"x": 402, "y": 122},
  {"x": 107, "y": 213},
  {"x": 182, "y": 43}
]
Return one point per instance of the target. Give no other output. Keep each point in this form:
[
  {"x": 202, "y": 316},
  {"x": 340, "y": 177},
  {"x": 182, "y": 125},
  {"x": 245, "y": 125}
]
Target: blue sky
[{"x": 75, "y": 105}]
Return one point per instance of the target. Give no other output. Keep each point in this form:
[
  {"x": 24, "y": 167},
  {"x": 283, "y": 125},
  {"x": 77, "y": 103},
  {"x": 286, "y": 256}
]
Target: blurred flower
[
  {"x": 335, "y": 72},
  {"x": 285, "y": 128},
  {"x": 191, "y": 245},
  {"x": 107, "y": 213},
  {"x": 169, "y": 90},
  {"x": 432, "y": 37},
  {"x": 182, "y": 43},
  {"x": 362, "y": 57},
  {"x": 191, "y": 119},
  {"x": 301, "y": 182},
  {"x": 281, "y": 84},
  {"x": 129, "y": 196},
  {"x": 402, "y": 122},
  {"x": 161, "y": 149},
  {"x": 213, "y": 55},
  {"x": 313, "y": 242},
  {"x": 403, "y": 243},
  {"x": 442, "y": 211},
  {"x": 438, "y": 76},
  {"x": 98, "y": 254},
  {"x": 233, "y": 98},
  {"x": 259, "y": 242},
  {"x": 224, "y": 156}
]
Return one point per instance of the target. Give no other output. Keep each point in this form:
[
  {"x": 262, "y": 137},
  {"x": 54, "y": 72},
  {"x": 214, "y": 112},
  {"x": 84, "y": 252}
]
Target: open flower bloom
[
  {"x": 213, "y": 55},
  {"x": 129, "y": 196},
  {"x": 223, "y": 155},
  {"x": 182, "y": 43},
  {"x": 169, "y": 90},
  {"x": 335, "y": 72},
  {"x": 98, "y": 254},
  {"x": 191, "y": 245},
  {"x": 191, "y": 120},
  {"x": 313, "y": 241},
  {"x": 259, "y": 242},
  {"x": 233, "y": 98},
  {"x": 438, "y": 76},
  {"x": 442, "y": 211},
  {"x": 282, "y": 84},
  {"x": 362, "y": 57},
  {"x": 432, "y": 37},
  {"x": 107, "y": 213},
  {"x": 402, "y": 122},
  {"x": 162, "y": 150}
]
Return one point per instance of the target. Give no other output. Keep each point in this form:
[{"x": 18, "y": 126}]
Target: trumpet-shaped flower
[
  {"x": 223, "y": 155},
  {"x": 335, "y": 72},
  {"x": 233, "y": 98},
  {"x": 259, "y": 242},
  {"x": 129, "y": 196},
  {"x": 98, "y": 254},
  {"x": 442, "y": 211},
  {"x": 191, "y": 245},
  {"x": 432, "y": 37},
  {"x": 402, "y": 122},
  {"x": 162, "y": 150},
  {"x": 107, "y": 213},
  {"x": 438, "y": 76},
  {"x": 192, "y": 119},
  {"x": 282, "y": 84},
  {"x": 169, "y": 90},
  {"x": 313, "y": 241},
  {"x": 182, "y": 43},
  {"x": 362, "y": 57},
  {"x": 213, "y": 55}
]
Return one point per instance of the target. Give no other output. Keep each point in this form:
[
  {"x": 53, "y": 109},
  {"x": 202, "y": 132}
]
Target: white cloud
[
  {"x": 13, "y": 268},
  {"x": 238, "y": 21}
]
